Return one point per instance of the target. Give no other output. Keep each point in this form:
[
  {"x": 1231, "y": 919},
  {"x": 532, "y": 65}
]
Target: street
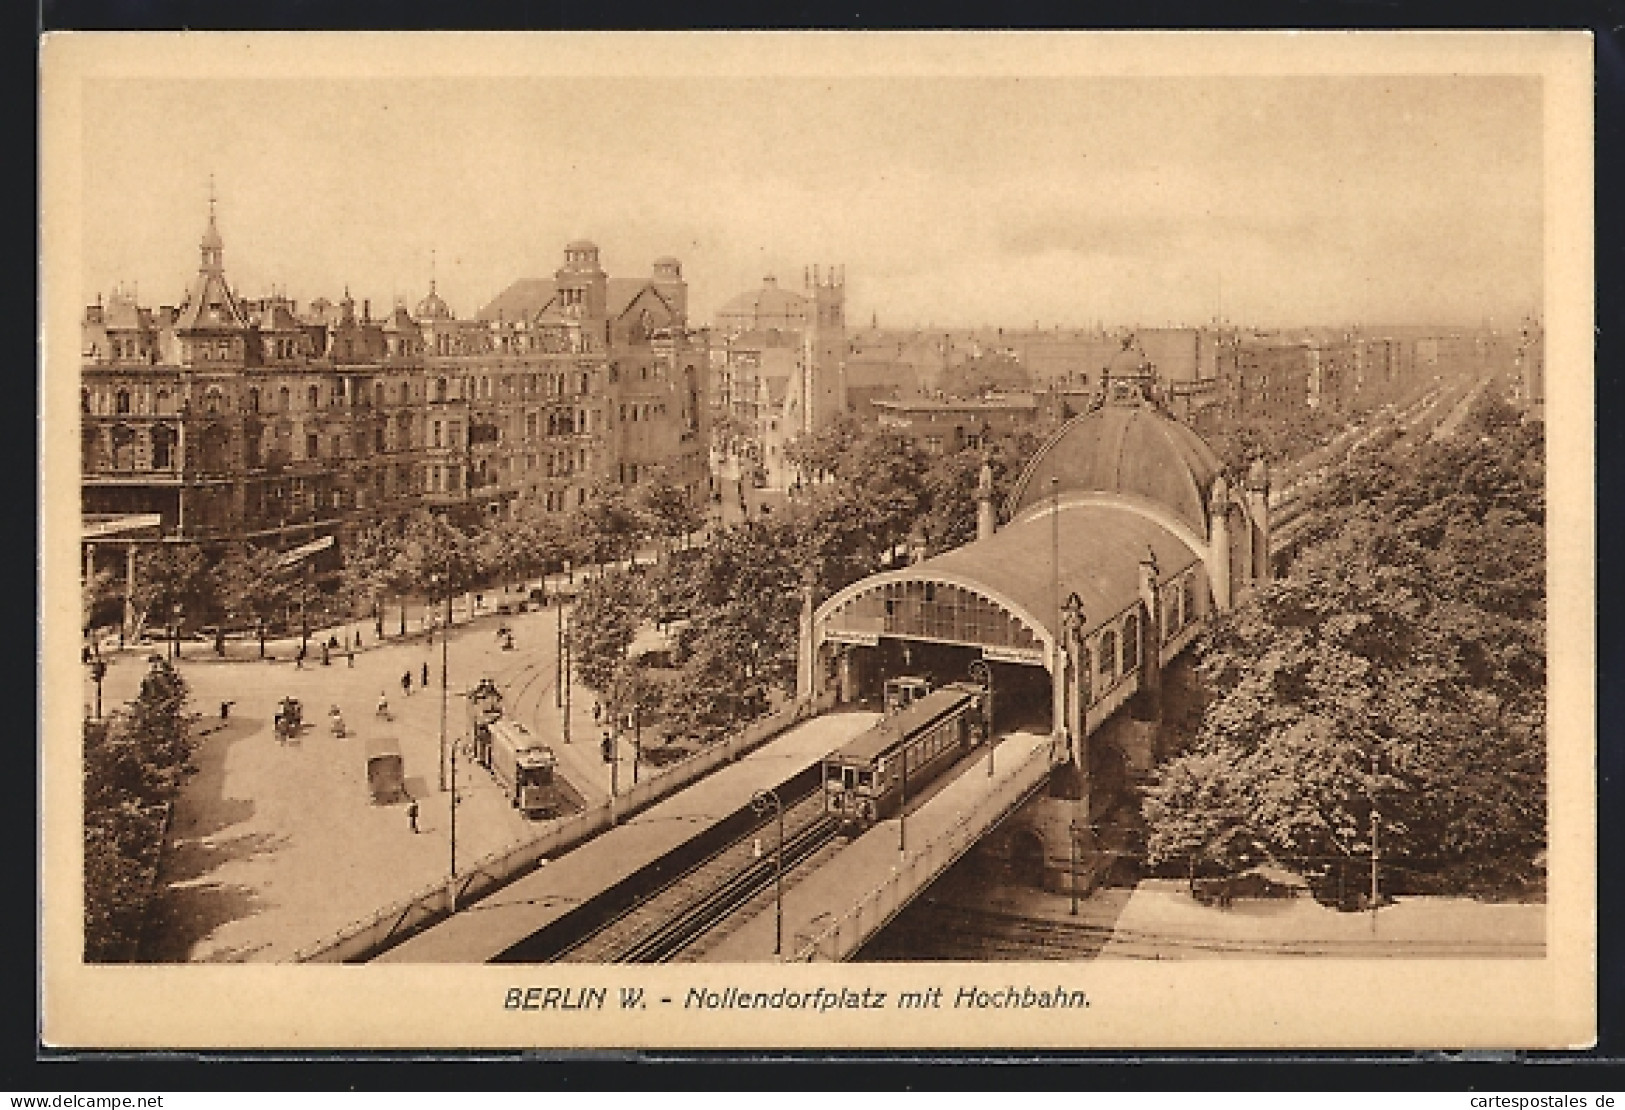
[{"x": 274, "y": 846}]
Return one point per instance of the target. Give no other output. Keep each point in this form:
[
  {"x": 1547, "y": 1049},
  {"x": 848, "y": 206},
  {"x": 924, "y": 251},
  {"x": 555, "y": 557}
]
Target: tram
[{"x": 522, "y": 766}]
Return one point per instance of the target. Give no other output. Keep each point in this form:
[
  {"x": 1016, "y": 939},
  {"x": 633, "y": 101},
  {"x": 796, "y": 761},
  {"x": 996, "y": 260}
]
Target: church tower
[{"x": 824, "y": 349}]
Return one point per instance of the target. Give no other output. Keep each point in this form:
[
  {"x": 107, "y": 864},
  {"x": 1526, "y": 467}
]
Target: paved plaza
[{"x": 274, "y": 846}]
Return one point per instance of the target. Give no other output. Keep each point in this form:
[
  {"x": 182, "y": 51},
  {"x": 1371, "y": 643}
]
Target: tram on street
[{"x": 522, "y": 766}]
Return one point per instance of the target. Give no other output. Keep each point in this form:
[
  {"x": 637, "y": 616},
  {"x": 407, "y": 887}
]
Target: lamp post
[
  {"x": 558, "y": 658},
  {"x": 565, "y": 656},
  {"x": 443, "y": 582},
  {"x": 98, "y": 671},
  {"x": 981, "y": 673},
  {"x": 1072, "y": 835},
  {"x": 902, "y": 805},
  {"x": 637, "y": 740},
  {"x": 176, "y": 634},
  {"x": 304, "y": 611},
  {"x": 759, "y": 803},
  {"x": 452, "y": 892},
  {"x": 1375, "y": 826}
]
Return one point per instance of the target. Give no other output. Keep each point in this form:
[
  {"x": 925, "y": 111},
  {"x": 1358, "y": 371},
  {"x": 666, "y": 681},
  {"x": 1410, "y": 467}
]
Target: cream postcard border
[{"x": 1546, "y": 1003}]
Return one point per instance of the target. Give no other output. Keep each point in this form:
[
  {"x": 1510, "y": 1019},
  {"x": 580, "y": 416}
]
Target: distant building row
[{"x": 775, "y": 350}]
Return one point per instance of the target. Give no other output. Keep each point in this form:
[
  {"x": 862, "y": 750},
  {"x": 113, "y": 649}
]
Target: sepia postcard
[{"x": 811, "y": 541}]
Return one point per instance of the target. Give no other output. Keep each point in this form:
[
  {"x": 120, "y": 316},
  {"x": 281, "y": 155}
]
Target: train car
[
  {"x": 522, "y": 766},
  {"x": 865, "y": 781},
  {"x": 900, "y": 693}
]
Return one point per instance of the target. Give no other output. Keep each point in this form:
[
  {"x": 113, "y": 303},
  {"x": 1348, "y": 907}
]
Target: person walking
[
  {"x": 412, "y": 815},
  {"x": 299, "y": 658},
  {"x": 383, "y": 704},
  {"x": 425, "y": 676},
  {"x": 326, "y": 660},
  {"x": 349, "y": 657},
  {"x": 406, "y": 683}
]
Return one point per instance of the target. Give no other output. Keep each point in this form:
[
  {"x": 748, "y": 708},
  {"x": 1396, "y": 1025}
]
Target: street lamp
[
  {"x": 981, "y": 673},
  {"x": 1072, "y": 835},
  {"x": 565, "y": 658},
  {"x": 98, "y": 671},
  {"x": 759, "y": 803},
  {"x": 304, "y": 611},
  {"x": 637, "y": 740},
  {"x": 437, "y": 582}
]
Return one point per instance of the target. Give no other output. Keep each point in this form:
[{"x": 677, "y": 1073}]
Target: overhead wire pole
[{"x": 1057, "y": 705}]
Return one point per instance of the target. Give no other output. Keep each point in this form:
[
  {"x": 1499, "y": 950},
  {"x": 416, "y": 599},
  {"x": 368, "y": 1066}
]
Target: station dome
[{"x": 1132, "y": 449}]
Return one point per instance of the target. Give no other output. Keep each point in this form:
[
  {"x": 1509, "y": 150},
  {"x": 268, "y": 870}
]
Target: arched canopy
[{"x": 1004, "y": 592}]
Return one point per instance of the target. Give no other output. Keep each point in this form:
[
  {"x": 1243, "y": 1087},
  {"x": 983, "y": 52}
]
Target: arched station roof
[{"x": 1100, "y": 546}]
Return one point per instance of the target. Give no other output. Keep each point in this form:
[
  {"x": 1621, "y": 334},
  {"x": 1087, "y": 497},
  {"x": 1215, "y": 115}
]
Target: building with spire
[
  {"x": 250, "y": 420},
  {"x": 780, "y": 365}
]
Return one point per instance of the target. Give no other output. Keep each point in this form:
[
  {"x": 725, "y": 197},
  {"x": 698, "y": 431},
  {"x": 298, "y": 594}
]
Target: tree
[
  {"x": 135, "y": 763},
  {"x": 368, "y": 573},
  {"x": 171, "y": 577},
  {"x": 435, "y": 558},
  {"x": 949, "y": 487},
  {"x": 253, "y": 582},
  {"x": 103, "y": 600},
  {"x": 607, "y": 527},
  {"x": 668, "y": 510},
  {"x": 602, "y": 625},
  {"x": 820, "y": 455},
  {"x": 1396, "y": 675}
]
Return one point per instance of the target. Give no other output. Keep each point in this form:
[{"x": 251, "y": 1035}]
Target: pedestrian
[
  {"x": 406, "y": 683},
  {"x": 358, "y": 637},
  {"x": 349, "y": 657},
  {"x": 597, "y": 712},
  {"x": 425, "y": 676},
  {"x": 325, "y": 660},
  {"x": 225, "y": 710},
  {"x": 383, "y": 704},
  {"x": 299, "y": 658},
  {"x": 412, "y": 814}
]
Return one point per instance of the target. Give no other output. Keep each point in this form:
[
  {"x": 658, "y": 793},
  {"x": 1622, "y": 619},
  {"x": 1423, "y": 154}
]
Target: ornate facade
[{"x": 239, "y": 419}]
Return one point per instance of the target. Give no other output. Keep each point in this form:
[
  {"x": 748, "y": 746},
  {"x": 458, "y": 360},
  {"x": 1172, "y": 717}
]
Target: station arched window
[{"x": 1131, "y": 643}]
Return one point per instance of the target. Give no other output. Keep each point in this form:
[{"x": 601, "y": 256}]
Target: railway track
[{"x": 660, "y": 926}]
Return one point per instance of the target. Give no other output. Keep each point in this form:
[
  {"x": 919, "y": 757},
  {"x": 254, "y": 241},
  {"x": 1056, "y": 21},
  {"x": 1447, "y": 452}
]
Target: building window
[
  {"x": 284, "y": 399},
  {"x": 253, "y": 399},
  {"x": 313, "y": 447},
  {"x": 211, "y": 400},
  {"x": 437, "y": 433},
  {"x": 121, "y": 402},
  {"x": 1108, "y": 655},
  {"x": 313, "y": 396}
]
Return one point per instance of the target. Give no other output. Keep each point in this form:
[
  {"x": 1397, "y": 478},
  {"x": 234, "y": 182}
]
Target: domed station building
[{"x": 1121, "y": 536}]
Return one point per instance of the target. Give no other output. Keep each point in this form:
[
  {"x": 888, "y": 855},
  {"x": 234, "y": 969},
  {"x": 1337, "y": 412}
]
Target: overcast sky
[{"x": 963, "y": 201}]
